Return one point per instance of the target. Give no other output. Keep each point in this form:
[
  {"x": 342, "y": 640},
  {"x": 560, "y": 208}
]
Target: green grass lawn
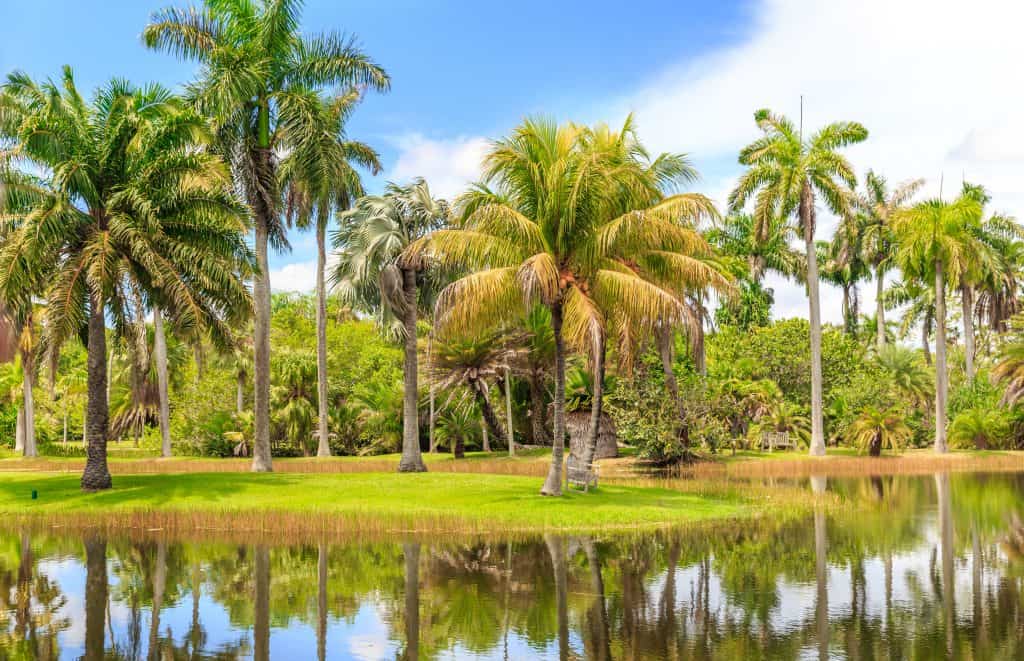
[{"x": 468, "y": 502}]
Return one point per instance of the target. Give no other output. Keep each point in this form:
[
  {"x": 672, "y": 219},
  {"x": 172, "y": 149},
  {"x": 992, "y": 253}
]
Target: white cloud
[
  {"x": 297, "y": 277},
  {"x": 936, "y": 82},
  {"x": 448, "y": 165}
]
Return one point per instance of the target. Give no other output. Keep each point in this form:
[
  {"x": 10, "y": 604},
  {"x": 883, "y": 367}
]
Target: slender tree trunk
[
  {"x": 945, "y": 513},
  {"x": 95, "y": 597},
  {"x": 483, "y": 402},
  {"x": 411, "y": 551},
  {"x": 486, "y": 436},
  {"x": 879, "y": 307},
  {"x": 700, "y": 362},
  {"x": 321, "y": 602},
  {"x": 602, "y": 641},
  {"x": 159, "y": 585},
  {"x": 807, "y": 219},
  {"x": 556, "y": 549},
  {"x": 821, "y": 577},
  {"x": 553, "y": 482},
  {"x": 508, "y": 413},
  {"x": 160, "y": 351},
  {"x": 324, "y": 449},
  {"x": 967, "y": 296},
  {"x": 412, "y": 460},
  {"x": 597, "y": 402},
  {"x": 261, "y": 461},
  {"x": 65, "y": 438},
  {"x": 240, "y": 378},
  {"x": 664, "y": 339},
  {"x": 261, "y": 604},
  {"x": 941, "y": 383},
  {"x": 538, "y": 412},
  {"x": 19, "y": 429},
  {"x": 926, "y": 331},
  {"x": 96, "y": 474},
  {"x": 28, "y": 368},
  {"x": 431, "y": 442}
]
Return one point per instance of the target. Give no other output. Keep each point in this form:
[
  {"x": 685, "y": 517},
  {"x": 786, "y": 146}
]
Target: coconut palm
[
  {"x": 874, "y": 429},
  {"x": 538, "y": 230},
  {"x": 877, "y": 204},
  {"x": 373, "y": 274},
  {"x": 319, "y": 177},
  {"x": 937, "y": 240},
  {"x": 134, "y": 204},
  {"x": 785, "y": 173},
  {"x": 260, "y": 79}
]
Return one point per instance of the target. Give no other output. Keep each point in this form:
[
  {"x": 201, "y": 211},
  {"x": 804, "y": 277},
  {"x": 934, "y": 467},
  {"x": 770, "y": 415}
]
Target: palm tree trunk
[
  {"x": 431, "y": 441},
  {"x": 96, "y": 474},
  {"x": 553, "y": 482},
  {"x": 538, "y": 412},
  {"x": 19, "y": 429},
  {"x": 821, "y": 577},
  {"x": 412, "y": 460},
  {"x": 602, "y": 643},
  {"x": 261, "y": 461},
  {"x": 597, "y": 402},
  {"x": 324, "y": 449},
  {"x": 28, "y": 398},
  {"x": 967, "y": 296},
  {"x": 261, "y": 605},
  {"x": 486, "y": 436},
  {"x": 459, "y": 447},
  {"x": 807, "y": 219},
  {"x": 95, "y": 597},
  {"x": 483, "y": 402},
  {"x": 159, "y": 585},
  {"x": 160, "y": 351},
  {"x": 926, "y": 331},
  {"x": 879, "y": 307},
  {"x": 411, "y": 551},
  {"x": 239, "y": 392},
  {"x": 556, "y": 549},
  {"x": 321, "y": 602},
  {"x": 945, "y": 515},
  {"x": 508, "y": 413},
  {"x": 940, "y": 358}
]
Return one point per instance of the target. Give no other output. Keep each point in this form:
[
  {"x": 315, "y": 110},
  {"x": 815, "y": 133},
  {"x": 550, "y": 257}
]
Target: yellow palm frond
[
  {"x": 479, "y": 300},
  {"x": 538, "y": 277},
  {"x": 583, "y": 321}
]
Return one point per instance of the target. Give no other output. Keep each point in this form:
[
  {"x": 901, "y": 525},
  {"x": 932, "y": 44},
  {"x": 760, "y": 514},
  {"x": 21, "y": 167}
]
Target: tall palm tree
[
  {"x": 134, "y": 202},
  {"x": 260, "y": 80},
  {"x": 785, "y": 172},
  {"x": 374, "y": 274},
  {"x": 319, "y": 178},
  {"x": 877, "y": 204},
  {"x": 538, "y": 230},
  {"x": 937, "y": 240},
  {"x": 841, "y": 264}
]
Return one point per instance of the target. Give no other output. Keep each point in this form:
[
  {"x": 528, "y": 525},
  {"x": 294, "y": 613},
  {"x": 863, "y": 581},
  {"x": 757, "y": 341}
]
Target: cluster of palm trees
[{"x": 136, "y": 203}]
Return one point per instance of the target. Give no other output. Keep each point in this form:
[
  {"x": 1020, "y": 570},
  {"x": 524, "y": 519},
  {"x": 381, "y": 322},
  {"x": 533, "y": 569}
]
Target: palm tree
[
  {"x": 903, "y": 370},
  {"x": 374, "y": 274},
  {"x": 785, "y": 171},
  {"x": 319, "y": 177},
  {"x": 135, "y": 203},
  {"x": 764, "y": 249},
  {"x": 979, "y": 427},
  {"x": 470, "y": 361},
  {"x": 534, "y": 363},
  {"x": 538, "y": 230},
  {"x": 260, "y": 81},
  {"x": 841, "y": 265},
  {"x": 937, "y": 240},
  {"x": 920, "y": 299},
  {"x": 1009, "y": 369},
  {"x": 874, "y": 429},
  {"x": 877, "y": 204}
]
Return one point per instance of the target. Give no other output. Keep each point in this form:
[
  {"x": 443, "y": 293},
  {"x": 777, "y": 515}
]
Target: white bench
[
  {"x": 773, "y": 440},
  {"x": 576, "y": 474}
]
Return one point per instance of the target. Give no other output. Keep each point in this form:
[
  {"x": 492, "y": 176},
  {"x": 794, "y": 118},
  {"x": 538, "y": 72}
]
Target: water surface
[{"x": 921, "y": 567}]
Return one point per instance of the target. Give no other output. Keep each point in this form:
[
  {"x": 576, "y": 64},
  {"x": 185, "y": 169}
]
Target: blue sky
[{"x": 693, "y": 72}]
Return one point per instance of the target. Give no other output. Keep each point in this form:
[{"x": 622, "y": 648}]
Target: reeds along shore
[{"x": 912, "y": 464}]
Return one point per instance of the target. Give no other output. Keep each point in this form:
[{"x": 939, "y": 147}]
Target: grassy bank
[{"x": 377, "y": 502}]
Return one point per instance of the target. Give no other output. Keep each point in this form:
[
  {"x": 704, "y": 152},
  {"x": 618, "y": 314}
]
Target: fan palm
[
  {"x": 938, "y": 240},
  {"x": 785, "y": 172},
  {"x": 540, "y": 229},
  {"x": 260, "y": 80},
  {"x": 874, "y": 429},
  {"x": 319, "y": 177},
  {"x": 373, "y": 274},
  {"x": 470, "y": 361},
  {"x": 877, "y": 204},
  {"x": 133, "y": 202}
]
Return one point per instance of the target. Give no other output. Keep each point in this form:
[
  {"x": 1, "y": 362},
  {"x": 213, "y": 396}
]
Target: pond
[{"x": 920, "y": 567}]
